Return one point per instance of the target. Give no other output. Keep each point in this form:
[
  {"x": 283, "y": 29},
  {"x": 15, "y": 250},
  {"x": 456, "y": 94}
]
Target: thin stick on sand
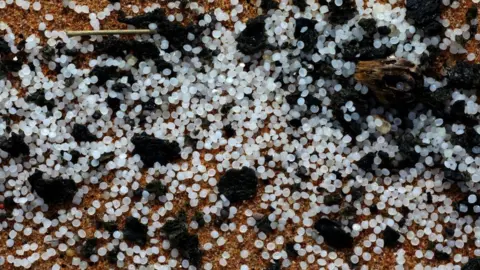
[{"x": 110, "y": 32}]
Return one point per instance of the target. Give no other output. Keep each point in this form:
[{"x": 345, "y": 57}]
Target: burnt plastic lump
[
  {"x": 333, "y": 234},
  {"x": 135, "y": 231},
  {"x": 253, "y": 39},
  {"x": 305, "y": 31},
  {"x": 153, "y": 150},
  {"x": 238, "y": 185},
  {"x": 104, "y": 74},
  {"x": 340, "y": 14},
  {"x": 187, "y": 244},
  {"x": 390, "y": 237},
  {"x": 38, "y": 98},
  {"x": 424, "y": 14},
  {"x": 464, "y": 75},
  {"x": 472, "y": 264},
  {"x": 55, "y": 191},
  {"x": 89, "y": 248},
  {"x": 15, "y": 145},
  {"x": 81, "y": 133}
]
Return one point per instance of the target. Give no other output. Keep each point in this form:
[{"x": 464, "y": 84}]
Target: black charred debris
[
  {"x": 156, "y": 187},
  {"x": 52, "y": 191},
  {"x": 333, "y": 234},
  {"x": 253, "y": 38},
  {"x": 187, "y": 244},
  {"x": 425, "y": 14},
  {"x": 15, "y": 145},
  {"x": 340, "y": 14},
  {"x": 266, "y": 5},
  {"x": 472, "y": 264},
  {"x": 238, "y": 185},
  {"x": 135, "y": 232},
  {"x": 176, "y": 34},
  {"x": 89, "y": 248},
  {"x": 153, "y": 150},
  {"x": 464, "y": 75},
  {"x": 465, "y": 207},
  {"x": 104, "y": 74},
  {"x": 81, "y": 133},
  {"x": 390, "y": 237},
  {"x": 455, "y": 176},
  {"x": 38, "y": 98},
  {"x": 305, "y": 32},
  {"x": 301, "y": 4}
]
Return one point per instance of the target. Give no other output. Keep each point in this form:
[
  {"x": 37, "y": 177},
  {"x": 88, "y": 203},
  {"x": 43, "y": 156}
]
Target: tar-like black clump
[
  {"x": 238, "y": 185},
  {"x": 332, "y": 199},
  {"x": 81, "y": 133},
  {"x": 369, "y": 25},
  {"x": 424, "y": 14},
  {"x": 390, "y": 237},
  {"x": 89, "y": 248},
  {"x": 52, "y": 191},
  {"x": 469, "y": 140},
  {"x": 121, "y": 87},
  {"x": 384, "y": 30},
  {"x": 38, "y": 98},
  {"x": 464, "y": 75},
  {"x": 174, "y": 32},
  {"x": 15, "y": 145},
  {"x": 228, "y": 131},
  {"x": 305, "y": 32},
  {"x": 406, "y": 146},
  {"x": 112, "y": 255},
  {"x": 290, "y": 249},
  {"x": 199, "y": 219},
  {"x": 472, "y": 264},
  {"x": 266, "y": 5},
  {"x": 366, "y": 162},
  {"x": 134, "y": 231},
  {"x": 465, "y": 207},
  {"x": 187, "y": 244},
  {"x": 301, "y": 4},
  {"x": 110, "y": 226},
  {"x": 4, "y": 48},
  {"x": 156, "y": 187},
  {"x": 455, "y": 176},
  {"x": 153, "y": 150},
  {"x": 253, "y": 38},
  {"x": 276, "y": 265},
  {"x": 104, "y": 74},
  {"x": 441, "y": 256},
  {"x": 333, "y": 234},
  {"x": 9, "y": 203},
  {"x": 264, "y": 225},
  {"x": 364, "y": 50},
  {"x": 75, "y": 156},
  {"x": 340, "y": 14}
]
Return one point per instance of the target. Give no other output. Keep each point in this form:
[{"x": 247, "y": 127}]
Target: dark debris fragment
[
  {"x": 153, "y": 150},
  {"x": 81, "y": 133},
  {"x": 187, "y": 244},
  {"x": 369, "y": 25},
  {"x": 266, "y": 5},
  {"x": 301, "y": 4},
  {"x": 340, "y": 14},
  {"x": 52, "y": 191},
  {"x": 238, "y": 185},
  {"x": 253, "y": 38},
  {"x": 390, "y": 237},
  {"x": 333, "y": 234},
  {"x": 464, "y": 75},
  {"x": 104, "y": 74},
  {"x": 38, "y": 98},
  {"x": 15, "y": 146},
  {"x": 472, "y": 264},
  {"x": 135, "y": 231},
  {"x": 89, "y": 248},
  {"x": 424, "y": 13},
  {"x": 455, "y": 176},
  {"x": 305, "y": 31},
  {"x": 156, "y": 187}
]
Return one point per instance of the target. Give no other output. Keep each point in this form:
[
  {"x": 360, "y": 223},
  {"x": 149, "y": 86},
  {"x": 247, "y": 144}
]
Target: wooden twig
[{"x": 110, "y": 32}]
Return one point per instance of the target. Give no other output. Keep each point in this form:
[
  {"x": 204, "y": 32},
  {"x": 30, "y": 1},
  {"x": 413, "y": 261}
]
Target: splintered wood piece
[
  {"x": 110, "y": 32},
  {"x": 391, "y": 80}
]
